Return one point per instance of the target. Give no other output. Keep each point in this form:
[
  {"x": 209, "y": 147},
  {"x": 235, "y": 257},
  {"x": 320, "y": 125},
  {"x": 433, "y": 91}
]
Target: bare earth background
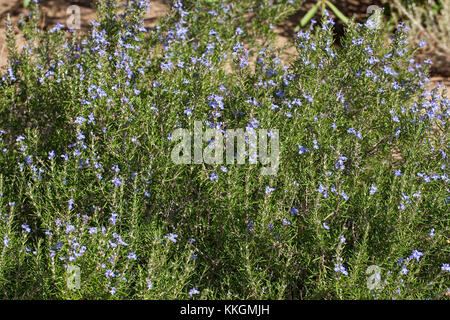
[{"x": 53, "y": 11}]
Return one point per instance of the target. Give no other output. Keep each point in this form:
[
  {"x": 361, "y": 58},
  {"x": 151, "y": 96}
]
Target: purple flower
[
  {"x": 80, "y": 136},
  {"x": 269, "y": 189},
  {"x": 315, "y": 145},
  {"x": 193, "y": 291},
  {"x": 113, "y": 218},
  {"x": 404, "y": 270},
  {"x": 301, "y": 149},
  {"x": 69, "y": 228},
  {"x": 373, "y": 189},
  {"x": 340, "y": 163},
  {"x": 109, "y": 274},
  {"x": 416, "y": 255},
  {"x": 323, "y": 190},
  {"x": 117, "y": 182},
  {"x": 26, "y": 228},
  {"x": 213, "y": 176},
  {"x": 70, "y": 202},
  {"x": 340, "y": 268},
  {"x": 80, "y": 120},
  {"x": 57, "y": 27},
  {"x": 172, "y": 237}
]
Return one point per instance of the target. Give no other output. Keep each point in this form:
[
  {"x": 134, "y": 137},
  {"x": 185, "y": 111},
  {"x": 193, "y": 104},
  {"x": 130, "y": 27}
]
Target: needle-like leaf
[
  {"x": 308, "y": 16},
  {"x": 338, "y": 13}
]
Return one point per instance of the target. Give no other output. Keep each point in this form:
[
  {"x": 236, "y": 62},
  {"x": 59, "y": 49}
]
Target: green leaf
[
  {"x": 336, "y": 11},
  {"x": 308, "y": 16},
  {"x": 26, "y": 3}
]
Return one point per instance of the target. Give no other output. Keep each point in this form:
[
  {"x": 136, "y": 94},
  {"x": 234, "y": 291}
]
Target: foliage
[{"x": 87, "y": 180}]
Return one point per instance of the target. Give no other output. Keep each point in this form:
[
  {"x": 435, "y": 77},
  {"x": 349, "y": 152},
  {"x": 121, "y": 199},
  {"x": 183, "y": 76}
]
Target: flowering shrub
[{"x": 87, "y": 179}]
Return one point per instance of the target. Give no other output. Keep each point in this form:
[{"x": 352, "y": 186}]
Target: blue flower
[
  {"x": 172, "y": 237},
  {"x": 323, "y": 190},
  {"x": 269, "y": 189},
  {"x": 340, "y": 268},
  {"x": 69, "y": 228},
  {"x": 113, "y": 218},
  {"x": 70, "y": 203},
  {"x": 373, "y": 189},
  {"x": 213, "y": 176},
  {"x": 432, "y": 232},
  {"x": 80, "y": 120},
  {"x": 340, "y": 163},
  {"x": 416, "y": 255},
  {"x": 80, "y": 136},
  {"x": 57, "y": 27},
  {"x": 117, "y": 182},
  {"x": 301, "y": 149},
  {"x": 193, "y": 291},
  {"x": 5, "y": 241},
  {"x": 109, "y": 274},
  {"x": 404, "y": 270},
  {"x": 315, "y": 145}
]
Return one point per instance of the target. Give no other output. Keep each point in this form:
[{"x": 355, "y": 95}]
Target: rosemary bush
[{"x": 87, "y": 180}]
